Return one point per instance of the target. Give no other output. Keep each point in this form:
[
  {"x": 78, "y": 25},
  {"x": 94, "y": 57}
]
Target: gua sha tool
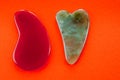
[
  {"x": 33, "y": 47},
  {"x": 74, "y": 29}
]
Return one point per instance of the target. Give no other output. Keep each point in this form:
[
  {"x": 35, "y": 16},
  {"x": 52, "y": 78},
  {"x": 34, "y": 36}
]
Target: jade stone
[{"x": 74, "y": 30}]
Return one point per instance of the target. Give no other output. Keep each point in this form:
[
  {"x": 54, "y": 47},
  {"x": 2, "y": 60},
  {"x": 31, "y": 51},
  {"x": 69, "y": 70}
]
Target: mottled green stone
[{"x": 74, "y": 29}]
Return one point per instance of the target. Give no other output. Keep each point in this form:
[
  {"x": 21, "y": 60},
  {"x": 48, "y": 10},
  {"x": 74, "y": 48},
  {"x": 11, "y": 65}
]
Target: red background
[{"x": 100, "y": 59}]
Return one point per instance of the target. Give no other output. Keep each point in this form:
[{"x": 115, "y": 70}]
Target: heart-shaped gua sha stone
[
  {"x": 74, "y": 29},
  {"x": 33, "y": 47}
]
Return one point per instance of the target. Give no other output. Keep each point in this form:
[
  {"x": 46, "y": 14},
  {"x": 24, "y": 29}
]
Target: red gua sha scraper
[{"x": 33, "y": 47}]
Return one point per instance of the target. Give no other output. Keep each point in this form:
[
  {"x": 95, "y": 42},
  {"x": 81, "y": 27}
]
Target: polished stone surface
[
  {"x": 33, "y": 47},
  {"x": 74, "y": 29}
]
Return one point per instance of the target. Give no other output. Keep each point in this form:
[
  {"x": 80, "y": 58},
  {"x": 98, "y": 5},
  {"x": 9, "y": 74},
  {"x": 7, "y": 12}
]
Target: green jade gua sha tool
[{"x": 74, "y": 30}]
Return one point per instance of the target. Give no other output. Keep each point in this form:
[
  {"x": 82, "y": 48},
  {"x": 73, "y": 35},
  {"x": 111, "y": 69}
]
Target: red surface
[{"x": 100, "y": 59}]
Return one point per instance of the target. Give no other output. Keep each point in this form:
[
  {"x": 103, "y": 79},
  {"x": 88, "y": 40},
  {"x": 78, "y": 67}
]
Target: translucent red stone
[{"x": 33, "y": 47}]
